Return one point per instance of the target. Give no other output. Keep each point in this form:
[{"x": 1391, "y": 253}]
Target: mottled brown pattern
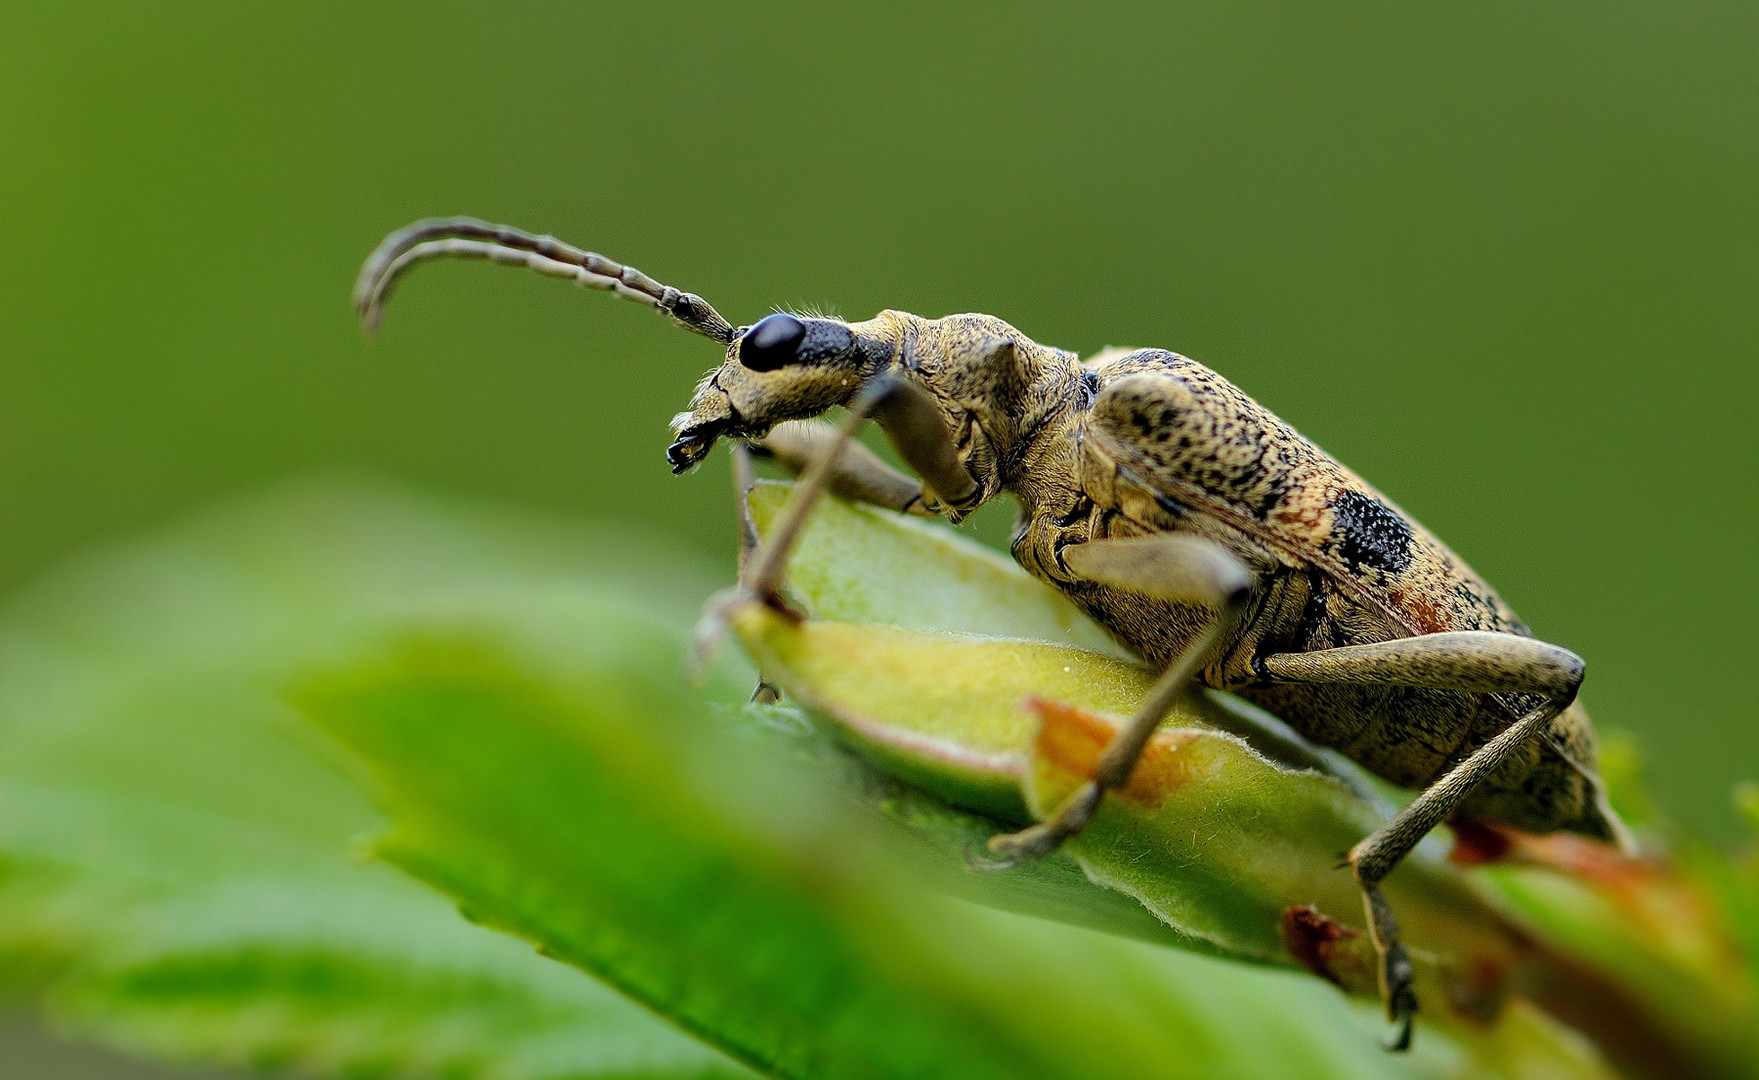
[
  {"x": 1170, "y": 426},
  {"x": 1174, "y": 446},
  {"x": 1147, "y": 441}
]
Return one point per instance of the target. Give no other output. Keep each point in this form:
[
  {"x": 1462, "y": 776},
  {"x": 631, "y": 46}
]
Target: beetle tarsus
[{"x": 1009, "y": 850}]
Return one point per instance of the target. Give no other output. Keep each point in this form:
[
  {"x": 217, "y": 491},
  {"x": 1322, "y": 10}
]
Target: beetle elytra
[{"x": 1205, "y": 534}]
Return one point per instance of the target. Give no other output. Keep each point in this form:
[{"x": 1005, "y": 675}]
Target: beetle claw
[
  {"x": 1404, "y": 1012},
  {"x": 710, "y": 632},
  {"x": 982, "y": 858}
]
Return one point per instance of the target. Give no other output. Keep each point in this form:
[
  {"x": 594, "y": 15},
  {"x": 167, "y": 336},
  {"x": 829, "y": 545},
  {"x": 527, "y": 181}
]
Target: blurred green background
[
  {"x": 1502, "y": 261},
  {"x": 1505, "y": 263}
]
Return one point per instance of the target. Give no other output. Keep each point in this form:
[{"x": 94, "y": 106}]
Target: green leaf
[
  {"x": 590, "y": 808},
  {"x": 752, "y": 893},
  {"x": 174, "y": 870},
  {"x": 1220, "y": 836},
  {"x": 936, "y": 707},
  {"x": 1669, "y": 936},
  {"x": 171, "y": 870},
  {"x": 866, "y": 566},
  {"x": 1212, "y": 837},
  {"x": 858, "y": 564},
  {"x": 1223, "y": 841}
]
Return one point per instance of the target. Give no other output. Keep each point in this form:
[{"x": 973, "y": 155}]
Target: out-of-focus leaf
[
  {"x": 174, "y": 871},
  {"x": 1677, "y": 936},
  {"x": 1746, "y": 800},
  {"x": 1738, "y": 880},
  {"x": 1669, "y": 936},
  {"x": 590, "y": 808}
]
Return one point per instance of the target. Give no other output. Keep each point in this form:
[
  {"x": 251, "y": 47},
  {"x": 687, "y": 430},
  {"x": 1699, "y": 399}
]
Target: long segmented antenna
[{"x": 469, "y": 238}]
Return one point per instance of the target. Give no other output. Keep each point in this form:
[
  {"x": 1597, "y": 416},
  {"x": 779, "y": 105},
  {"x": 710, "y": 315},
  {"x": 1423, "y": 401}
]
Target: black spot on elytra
[
  {"x": 1367, "y": 533},
  {"x": 1271, "y": 498}
]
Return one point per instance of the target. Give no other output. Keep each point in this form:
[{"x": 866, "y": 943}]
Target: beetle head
[
  {"x": 783, "y": 367},
  {"x": 989, "y": 383}
]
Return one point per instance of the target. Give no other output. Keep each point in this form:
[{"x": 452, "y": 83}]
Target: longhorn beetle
[{"x": 1204, "y": 533}]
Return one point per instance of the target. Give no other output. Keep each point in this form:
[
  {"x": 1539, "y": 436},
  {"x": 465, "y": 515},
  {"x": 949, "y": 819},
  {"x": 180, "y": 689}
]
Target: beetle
[{"x": 1205, "y": 534}]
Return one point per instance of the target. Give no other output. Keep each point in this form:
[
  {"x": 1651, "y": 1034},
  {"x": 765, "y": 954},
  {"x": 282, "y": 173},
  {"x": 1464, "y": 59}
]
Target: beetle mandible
[{"x": 1204, "y": 533}]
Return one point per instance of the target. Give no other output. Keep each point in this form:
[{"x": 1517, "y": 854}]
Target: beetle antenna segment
[{"x": 469, "y": 238}]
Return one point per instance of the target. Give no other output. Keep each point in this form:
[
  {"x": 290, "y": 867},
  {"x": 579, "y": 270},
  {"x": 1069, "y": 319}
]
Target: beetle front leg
[
  {"x": 1471, "y": 661},
  {"x": 760, "y": 563},
  {"x": 910, "y": 418},
  {"x": 858, "y": 474},
  {"x": 1170, "y": 566},
  {"x": 766, "y": 693}
]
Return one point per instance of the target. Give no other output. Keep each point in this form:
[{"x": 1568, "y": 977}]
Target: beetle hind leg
[
  {"x": 1398, "y": 985},
  {"x": 1471, "y": 661}
]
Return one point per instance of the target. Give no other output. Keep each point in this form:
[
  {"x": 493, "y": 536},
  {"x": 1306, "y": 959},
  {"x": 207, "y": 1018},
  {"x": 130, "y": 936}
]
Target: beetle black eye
[{"x": 773, "y": 342}]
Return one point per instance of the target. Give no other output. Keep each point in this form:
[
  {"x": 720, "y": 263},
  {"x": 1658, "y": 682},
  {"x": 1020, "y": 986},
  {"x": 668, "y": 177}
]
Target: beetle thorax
[{"x": 1000, "y": 390}]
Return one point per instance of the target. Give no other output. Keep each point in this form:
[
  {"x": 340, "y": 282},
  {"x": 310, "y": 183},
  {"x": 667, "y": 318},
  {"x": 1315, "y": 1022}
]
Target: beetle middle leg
[
  {"x": 1471, "y": 661},
  {"x": 1178, "y": 567},
  {"x": 857, "y": 475},
  {"x": 830, "y": 462}
]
